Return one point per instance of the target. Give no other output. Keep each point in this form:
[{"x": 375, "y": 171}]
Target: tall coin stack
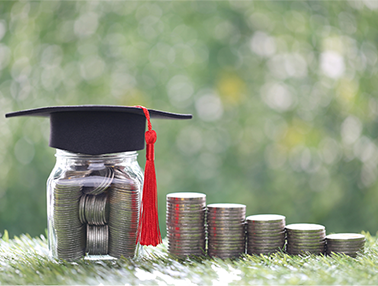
[
  {"x": 70, "y": 232},
  {"x": 265, "y": 233},
  {"x": 123, "y": 215},
  {"x": 226, "y": 230},
  {"x": 185, "y": 222},
  {"x": 346, "y": 243},
  {"x": 305, "y": 238}
]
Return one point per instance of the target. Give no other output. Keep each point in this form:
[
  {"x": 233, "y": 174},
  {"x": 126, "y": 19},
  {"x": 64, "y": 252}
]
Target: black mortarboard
[{"x": 97, "y": 129}]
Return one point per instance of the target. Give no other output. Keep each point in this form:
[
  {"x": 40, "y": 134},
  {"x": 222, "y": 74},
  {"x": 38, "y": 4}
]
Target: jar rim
[{"x": 68, "y": 154}]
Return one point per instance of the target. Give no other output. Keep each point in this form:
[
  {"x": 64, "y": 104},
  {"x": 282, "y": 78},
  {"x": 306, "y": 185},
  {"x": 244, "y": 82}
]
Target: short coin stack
[
  {"x": 186, "y": 223},
  {"x": 94, "y": 210},
  {"x": 347, "y": 243},
  {"x": 305, "y": 238},
  {"x": 266, "y": 233},
  {"x": 226, "y": 230},
  {"x": 97, "y": 239}
]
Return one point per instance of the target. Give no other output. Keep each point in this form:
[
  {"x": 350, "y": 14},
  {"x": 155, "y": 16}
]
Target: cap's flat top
[
  {"x": 266, "y": 217},
  {"x": 46, "y": 111},
  {"x": 345, "y": 236}
]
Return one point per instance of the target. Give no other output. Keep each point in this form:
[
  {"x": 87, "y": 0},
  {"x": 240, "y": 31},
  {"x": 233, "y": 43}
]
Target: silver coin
[
  {"x": 187, "y": 205},
  {"x": 266, "y": 234},
  {"x": 226, "y": 233},
  {"x": 275, "y": 244},
  {"x": 185, "y": 196},
  {"x": 194, "y": 245},
  {"x": 305, "y": 252},
  {"x": 306, "y": 233},
  {"x": 346, "y": 241},
  {"x": 266, "y": 219},
  {"x": 344, "y": 250},
  {"x": 225, "y": 255},
  {"x": 186, "y": 228},
  {"x": 345, "y": 237},
  {"x": 304, "y": 227},
  {"x": 224, "y": 245},
  {"x": 225, "y": 207},
  {"x": 305, "y": 240},
  {"x": 213, "y": 223},
  {"x": 183, "y": 239},
  {"x": 218, "y": 212},
  {"x": 266, "y": 231},
  {"x": 264, "y": 250},
  {"x": 188, "y": 218},
  {"x": 185, "y": 253},
  {"x": 186, "y": 231},
  {"x": 265, "y": 241},
  {"x": 304, "y": 249},
  {"x": 187, "y": 247},
  {"x": 345, "y": 246},
  {"x": 186, "y": 212},
  {"x": 316, "y": 244},
  {"x": 226, "y": 249},
  {"x": 259, "y": 252},
  {"x": 200, "y": 247},
  {"x": 265, "y": 226},
  {"x": 298, "y": 247}
]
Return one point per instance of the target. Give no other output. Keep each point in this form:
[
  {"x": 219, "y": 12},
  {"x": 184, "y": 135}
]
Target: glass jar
[{"x": 93, "y": 206}]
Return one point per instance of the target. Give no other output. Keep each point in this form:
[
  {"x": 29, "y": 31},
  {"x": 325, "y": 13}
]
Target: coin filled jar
[{"x": 93, "y": 205}]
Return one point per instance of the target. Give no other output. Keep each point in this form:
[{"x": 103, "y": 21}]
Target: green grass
[{"x": 24, "y": 260}]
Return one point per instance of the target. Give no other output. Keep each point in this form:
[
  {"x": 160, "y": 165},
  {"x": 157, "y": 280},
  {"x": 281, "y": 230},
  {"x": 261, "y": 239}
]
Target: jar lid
[{"x": 97, "y": 129}]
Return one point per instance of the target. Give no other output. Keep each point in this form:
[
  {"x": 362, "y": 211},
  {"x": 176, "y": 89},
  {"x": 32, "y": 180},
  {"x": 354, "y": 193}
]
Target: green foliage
[
  {"x": 283, "y": 93},
  {"x": 23, "y": 260}
]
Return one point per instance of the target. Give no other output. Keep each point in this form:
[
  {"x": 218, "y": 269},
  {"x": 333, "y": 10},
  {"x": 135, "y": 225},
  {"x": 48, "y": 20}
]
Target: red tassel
[{"x": 148, "y": 228}]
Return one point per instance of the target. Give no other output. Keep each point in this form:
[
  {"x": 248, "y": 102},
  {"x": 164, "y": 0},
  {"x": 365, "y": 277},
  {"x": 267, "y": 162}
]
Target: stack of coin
[
  {"x": 305, "y": 238},
  {"x": 265, "y": 233},
  {"x": 97, "y": 240},
  {"x": 70, "y": 232},
  {"x": 347, "y": 243},
  {"x": 94, "y": 209},
  {"x": 123, "y": 216},
  {"x": 226, "y": 230},
  {"x": 185, "y": 222}
]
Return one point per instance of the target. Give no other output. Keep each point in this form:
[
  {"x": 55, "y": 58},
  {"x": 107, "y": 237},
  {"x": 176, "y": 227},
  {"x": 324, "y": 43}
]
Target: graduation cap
[{"x": 99, "y": 129}]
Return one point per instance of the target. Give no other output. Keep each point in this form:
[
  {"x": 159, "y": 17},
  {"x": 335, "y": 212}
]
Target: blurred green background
[{"x": 284, "y": 96}]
